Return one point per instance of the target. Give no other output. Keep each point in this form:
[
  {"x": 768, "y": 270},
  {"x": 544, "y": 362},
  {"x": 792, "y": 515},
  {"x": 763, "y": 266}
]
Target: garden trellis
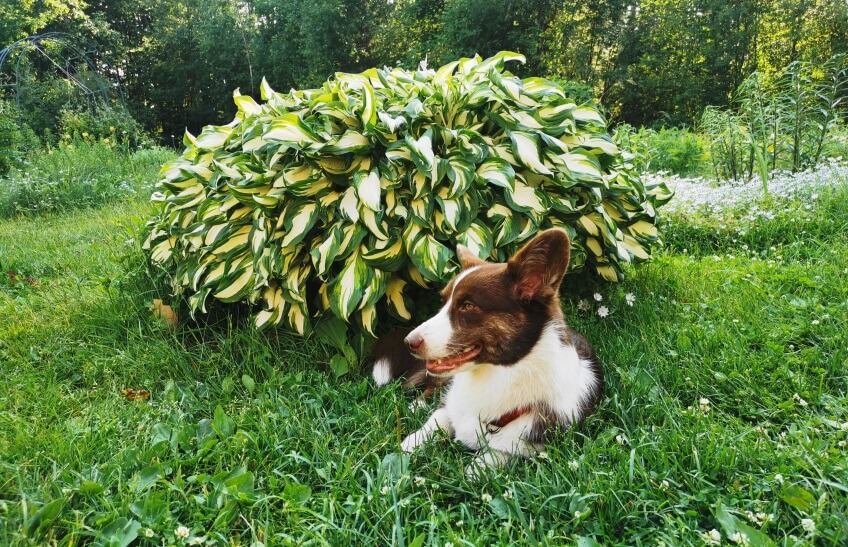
[{"x": 59, "y": 54}]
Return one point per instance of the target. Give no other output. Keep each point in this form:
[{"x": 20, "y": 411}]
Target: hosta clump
[{"x": 343, "y": 198}]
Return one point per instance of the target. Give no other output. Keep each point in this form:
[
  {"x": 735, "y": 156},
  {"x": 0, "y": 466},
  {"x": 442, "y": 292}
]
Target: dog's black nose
[{"x": 414, "y": 341}]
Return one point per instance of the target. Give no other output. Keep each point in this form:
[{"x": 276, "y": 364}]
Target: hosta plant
[{"x": 343, "y": 199}]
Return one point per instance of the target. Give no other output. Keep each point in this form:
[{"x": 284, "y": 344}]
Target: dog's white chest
[{"x": 550, "y": 376}]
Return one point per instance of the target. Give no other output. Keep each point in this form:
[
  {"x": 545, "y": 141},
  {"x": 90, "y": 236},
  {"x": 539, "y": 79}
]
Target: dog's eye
[{"x": 466, "y": 306}]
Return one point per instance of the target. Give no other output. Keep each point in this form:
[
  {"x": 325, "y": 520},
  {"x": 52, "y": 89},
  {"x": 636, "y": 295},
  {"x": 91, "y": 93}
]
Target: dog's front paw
[
  {"x": 411, "y": 442},
  {"x": 489, "y": 459}
]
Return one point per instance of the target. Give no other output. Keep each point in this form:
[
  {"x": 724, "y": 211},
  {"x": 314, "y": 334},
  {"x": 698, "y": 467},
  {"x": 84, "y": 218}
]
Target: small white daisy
[
  {"x": 603, "y": 311},
  {"x": 630, "y": 298},
  {"x": 598, "y": 298}
]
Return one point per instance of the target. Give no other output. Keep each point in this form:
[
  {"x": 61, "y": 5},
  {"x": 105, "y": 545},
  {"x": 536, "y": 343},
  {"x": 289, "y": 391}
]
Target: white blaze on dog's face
[{"x": 494, "y": 313}]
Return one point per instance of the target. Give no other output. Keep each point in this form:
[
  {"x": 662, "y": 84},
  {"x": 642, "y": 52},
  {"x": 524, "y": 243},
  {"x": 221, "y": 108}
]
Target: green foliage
[
  {"x": 42, "y": 102},
  {"x": 673, "y": 150},
  {"x": 16, "y": 141},
  {"x": 103, "y": 124},
  {"x": 659, "y": 60},
  {"x": 358, "y": 189},
  {"x": 781, "y": 123},
  {"x": 78, "y": 173}
]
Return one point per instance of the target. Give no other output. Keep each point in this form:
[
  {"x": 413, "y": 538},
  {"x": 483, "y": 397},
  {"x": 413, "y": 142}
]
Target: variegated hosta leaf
[{"x": 349, "y": 198}]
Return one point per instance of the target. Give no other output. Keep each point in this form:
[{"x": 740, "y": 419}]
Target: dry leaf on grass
[
  {"x": 135, "y": 394},
  {"x": 164, "y": 312}
]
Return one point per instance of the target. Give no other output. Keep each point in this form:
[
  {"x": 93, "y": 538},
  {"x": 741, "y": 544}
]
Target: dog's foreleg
[
  {"x": 438, "y": 420},
  {"x": 502, "y": 443}
]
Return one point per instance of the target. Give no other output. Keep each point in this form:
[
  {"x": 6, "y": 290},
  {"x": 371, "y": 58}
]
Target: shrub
[
  {"x": 15, "y": 140},
  {"x": 675, "y": 150},
  {"x": 103, "y": 124},
  {"x": 343, "y": 198}
]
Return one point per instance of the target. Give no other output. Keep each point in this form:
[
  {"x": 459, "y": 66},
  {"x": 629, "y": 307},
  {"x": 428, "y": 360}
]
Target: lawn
[{"x": 725, "y": 417}]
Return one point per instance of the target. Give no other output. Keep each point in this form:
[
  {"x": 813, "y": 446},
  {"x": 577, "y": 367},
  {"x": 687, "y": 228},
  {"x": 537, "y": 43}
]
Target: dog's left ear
[
  {"x": 466, "y": 258},
  {"x": 538, "y": 268}
]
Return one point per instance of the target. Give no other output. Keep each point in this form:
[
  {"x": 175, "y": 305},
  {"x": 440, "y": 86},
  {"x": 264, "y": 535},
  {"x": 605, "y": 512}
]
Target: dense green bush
[
  {"x": 78, "y": 174},
  {"x": 103, "y": 124},
  {"x": 341, "y": 198},
  {"x": 674, "y": 150},
  {"x": 16, "y": 141}
]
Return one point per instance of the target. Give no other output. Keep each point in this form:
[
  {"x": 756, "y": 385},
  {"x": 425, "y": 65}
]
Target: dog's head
[{"x": 494, "y": 313}]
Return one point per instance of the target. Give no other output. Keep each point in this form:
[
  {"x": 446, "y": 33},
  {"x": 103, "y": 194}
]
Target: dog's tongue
[{"x": 447, "y": 364}]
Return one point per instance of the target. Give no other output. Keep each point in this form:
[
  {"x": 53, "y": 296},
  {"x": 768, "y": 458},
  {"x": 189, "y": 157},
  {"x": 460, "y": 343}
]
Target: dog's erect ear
[
  {"x": 466, "y": 258},
  {"x": 538, "y": 268}
]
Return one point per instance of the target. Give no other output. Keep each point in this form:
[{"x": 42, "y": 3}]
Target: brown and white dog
[{"x": 514, "y": 368}]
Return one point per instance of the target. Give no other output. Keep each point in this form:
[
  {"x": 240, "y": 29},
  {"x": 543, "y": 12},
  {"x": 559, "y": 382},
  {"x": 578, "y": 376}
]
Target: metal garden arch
[{"x": 61, "y": 53}]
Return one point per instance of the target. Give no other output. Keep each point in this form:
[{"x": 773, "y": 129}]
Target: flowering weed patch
[{"x": 78, "y": 174}]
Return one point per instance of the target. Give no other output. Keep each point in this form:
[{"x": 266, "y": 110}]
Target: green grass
[
  {"x": 247, "y": 437},
  {"x": 79, "y": 174}
]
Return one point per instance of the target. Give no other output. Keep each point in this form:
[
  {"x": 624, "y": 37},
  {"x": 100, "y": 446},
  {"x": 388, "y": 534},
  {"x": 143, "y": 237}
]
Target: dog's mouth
[{"x": 453, "y": 362}]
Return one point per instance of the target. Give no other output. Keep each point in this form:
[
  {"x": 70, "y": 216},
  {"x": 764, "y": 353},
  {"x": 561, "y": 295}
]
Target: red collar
[{"x": 511, "y": 416}]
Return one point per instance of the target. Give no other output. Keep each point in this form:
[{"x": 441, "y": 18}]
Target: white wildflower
[
  {"x": 573, "y": 465},
  {"x": 739, "y": 538},
  {"x": 182, "y": 532},
  {"x": 384, "y": 490},
  {"x": 779, "y": 478},
  {"x": 713, "y": 537},
  {"x": 597, "y": 296},
  {"x": 148, "y": 533},
  {"x": 419, "y": 481},
  {"x": 621, "y": 439},
  {"x": 485, "y": 498},
  {"x": 603, "y": 311},
  {"x": 704, "y": 404},
  {"x": 508, "y": 495},
  {"x": 630, "y": 298},
  {"x": 809, "y": 526}
]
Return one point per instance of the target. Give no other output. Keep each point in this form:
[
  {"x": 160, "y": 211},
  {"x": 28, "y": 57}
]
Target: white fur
[
  {"x": 552, "y": 374},
  {"x": 382, "y": 372},
  {"x": 438, "y": 331}
]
